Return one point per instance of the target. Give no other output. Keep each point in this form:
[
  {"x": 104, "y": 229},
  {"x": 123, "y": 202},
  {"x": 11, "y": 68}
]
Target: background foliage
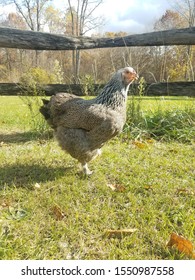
[{"x": 165, "y": 63}]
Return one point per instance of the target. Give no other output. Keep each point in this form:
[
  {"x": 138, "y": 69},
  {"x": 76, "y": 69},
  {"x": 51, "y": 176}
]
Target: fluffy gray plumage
[{"x": 82, "y": 127}]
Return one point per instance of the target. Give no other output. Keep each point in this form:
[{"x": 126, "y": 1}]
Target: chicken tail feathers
[
  {"x": 44, "y": 109},
  {"x": 45, "y": 101}
]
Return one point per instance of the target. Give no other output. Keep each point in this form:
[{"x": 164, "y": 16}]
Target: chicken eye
[{"x": 127, "y": 72}]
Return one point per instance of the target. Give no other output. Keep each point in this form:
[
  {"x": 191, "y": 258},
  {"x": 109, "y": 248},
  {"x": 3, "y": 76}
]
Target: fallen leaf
[
  {"x": 37, "y": 186},
  {"x": 1, "y": 144},
  {"x": 181, "y": 244},
  {"x": 184, "y": 192},
  {"x": 119, "y": 233},
  {"x": 5, "y": 204},
  {"x": 57, "y": 212},
  {"x": 111, "y": 186},
  {"x": 148, "y": 187},
  {"x": 139, "y": 144},
  {"x": 116, "y": 187},
  {"x": 150, "y": 141}
]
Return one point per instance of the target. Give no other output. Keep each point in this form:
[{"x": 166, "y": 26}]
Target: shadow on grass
[
  {"x": 22, "y": 137},
  {"x": 26, "y": 176}
]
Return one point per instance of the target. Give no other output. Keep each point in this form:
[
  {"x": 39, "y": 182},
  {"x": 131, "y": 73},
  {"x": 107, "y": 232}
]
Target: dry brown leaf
[
  {"x": 5, "y": 204},
  {"x": 181, "y": 244},
  {"x": 150, "y": 141},
  {"x": 184, "y": 192},
  {"x": 57, "y": 212},
  {"x": 116, "y": 187},
  {"x": 119, "y": 233},
  {"x": 139, "y": 144}
]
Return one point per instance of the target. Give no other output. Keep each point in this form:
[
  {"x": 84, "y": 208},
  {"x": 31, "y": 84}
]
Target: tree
[
  {"x": 12, "y": 57},
  {"x": 171, "y": 60},
  {"x": 164, "y": 55},
  {"x": 54, "y": 20},
  {"x": 79, "y": 21},
  {"x": 169, "y": 20},
  {"x": 18, "y": 61},
  {"x": 32, "y": 12},
  {"x": 186, "y": 9}
]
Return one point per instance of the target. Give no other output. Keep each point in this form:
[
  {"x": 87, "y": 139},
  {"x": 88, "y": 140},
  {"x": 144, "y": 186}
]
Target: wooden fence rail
[
  {"x": 156, "y": 89},
  {"x": 25, "y": 39}
]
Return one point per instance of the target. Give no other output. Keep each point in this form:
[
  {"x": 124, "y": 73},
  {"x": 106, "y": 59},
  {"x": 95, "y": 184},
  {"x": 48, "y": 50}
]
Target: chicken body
[{"x": 82, "y": 127}]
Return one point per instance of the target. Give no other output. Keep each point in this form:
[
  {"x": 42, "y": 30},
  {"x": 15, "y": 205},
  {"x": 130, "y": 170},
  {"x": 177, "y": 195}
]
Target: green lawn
[{"x": 48, "y": 211}]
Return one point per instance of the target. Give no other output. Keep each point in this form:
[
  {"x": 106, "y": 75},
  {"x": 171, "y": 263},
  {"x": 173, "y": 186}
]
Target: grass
[
  {"x": 47, "y": 211},
  {"x": 163, "y": 119}
]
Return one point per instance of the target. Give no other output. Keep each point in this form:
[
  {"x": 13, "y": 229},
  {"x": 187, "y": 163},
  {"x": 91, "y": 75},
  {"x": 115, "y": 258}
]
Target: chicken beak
[
  {"x": 134, "y": 77},
  {"x": 128, "y": 77}
]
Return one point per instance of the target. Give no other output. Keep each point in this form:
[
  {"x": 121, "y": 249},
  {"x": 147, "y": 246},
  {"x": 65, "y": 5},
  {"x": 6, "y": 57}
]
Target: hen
[{"x": 82, "y": 127}]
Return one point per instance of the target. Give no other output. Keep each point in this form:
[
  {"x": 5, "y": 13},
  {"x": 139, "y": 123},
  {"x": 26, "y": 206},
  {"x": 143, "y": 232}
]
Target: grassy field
[{"x": 144, "y": 181}]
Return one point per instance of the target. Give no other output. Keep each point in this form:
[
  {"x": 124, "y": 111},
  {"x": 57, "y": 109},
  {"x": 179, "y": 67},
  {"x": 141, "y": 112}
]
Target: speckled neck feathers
[{"x": 114, "y": 94}]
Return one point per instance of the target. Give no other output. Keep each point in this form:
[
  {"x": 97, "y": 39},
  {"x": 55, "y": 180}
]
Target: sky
[{"x": 131, "y": 16}]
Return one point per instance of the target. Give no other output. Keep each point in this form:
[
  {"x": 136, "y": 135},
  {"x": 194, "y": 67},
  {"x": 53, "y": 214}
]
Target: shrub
[
  {"x": 87, "y": 85},
  {"x": 37, "y": 76},
  {"x": 30, "y": 95}
]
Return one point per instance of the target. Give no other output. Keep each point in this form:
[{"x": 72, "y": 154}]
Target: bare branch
[
  {"x": 90, "y": 13},
  {"x": 72, "y": 16}
]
